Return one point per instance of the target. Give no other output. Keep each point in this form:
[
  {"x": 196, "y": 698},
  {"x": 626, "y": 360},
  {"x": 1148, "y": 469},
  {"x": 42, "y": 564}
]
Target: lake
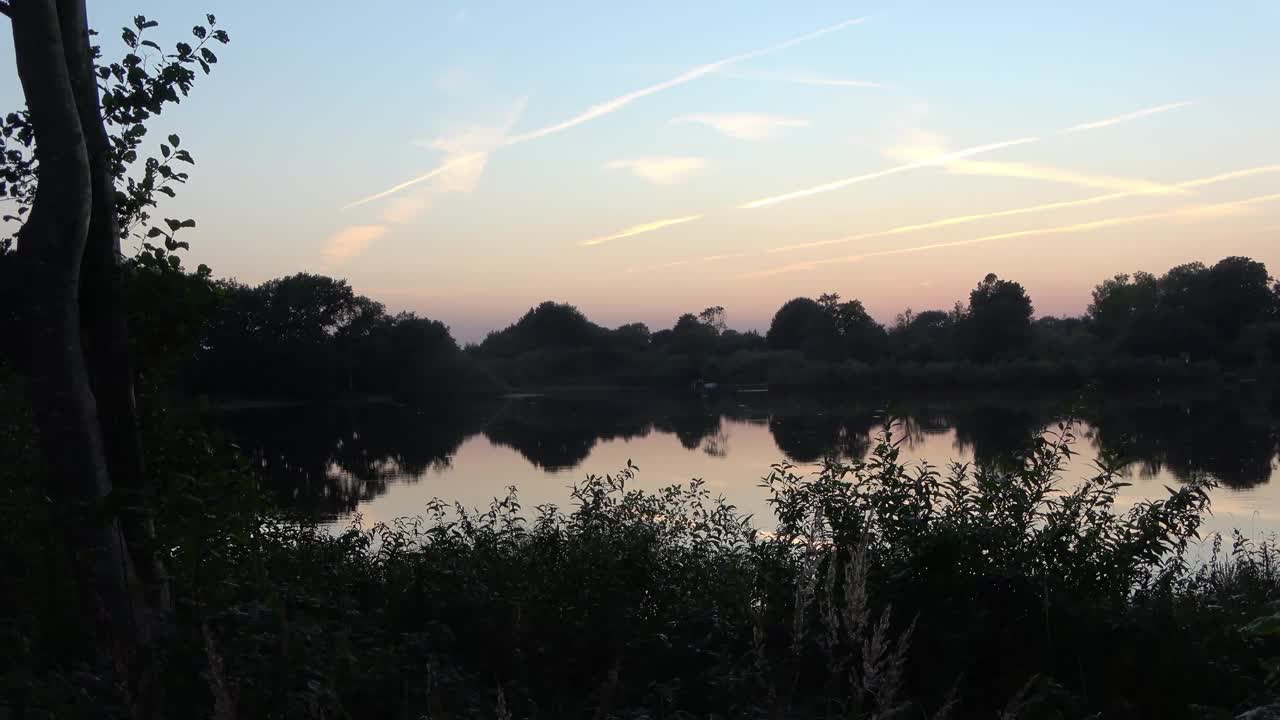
[{"x": 384, "y": 462}]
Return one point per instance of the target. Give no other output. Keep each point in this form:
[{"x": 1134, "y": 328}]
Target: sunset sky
[{"x": 641, "y": 160}]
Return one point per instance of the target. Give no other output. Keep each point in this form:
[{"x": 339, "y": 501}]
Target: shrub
[{"x": 886, "y": 590}]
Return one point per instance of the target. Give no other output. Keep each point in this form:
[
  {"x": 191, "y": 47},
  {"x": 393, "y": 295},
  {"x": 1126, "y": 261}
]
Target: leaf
[
  {"x": 204, "y": 66},
  {"x": 221, "y": 36},
  {"x": 148, "y": 43},
  {"x": 1264, "y": 626},
  {"x": 154, "y": 232},
  {"x": 187, "y": 223},
  {"x": 166, "y": 190},
  {"x": 173, "y": 140},
  {"x": 199, "y": 31},
  {"x": 130, "y": 37},
  {"x": 208, "y": 55},
  {"x": 164, "y": 150},
  {"x": 211, "y": 19},
  {"x": 184, "y": 50}
]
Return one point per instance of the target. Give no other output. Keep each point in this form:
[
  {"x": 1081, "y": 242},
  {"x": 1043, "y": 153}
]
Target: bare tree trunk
[
  {"x": 50, "y": 248},
  {"x": 104, "y": 320}
]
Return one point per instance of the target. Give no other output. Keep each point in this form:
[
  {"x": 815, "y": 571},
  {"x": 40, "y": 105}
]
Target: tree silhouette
[
  {"x": 998, "y": 323},
  {"x": 76, "y": 200}
]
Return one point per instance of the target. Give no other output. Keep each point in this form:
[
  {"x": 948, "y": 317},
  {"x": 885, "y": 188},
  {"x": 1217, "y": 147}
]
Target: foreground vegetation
[{"x": 883, "y": 591}]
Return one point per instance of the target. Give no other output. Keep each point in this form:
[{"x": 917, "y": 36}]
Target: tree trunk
[
  {"x": 50, "y": 248},
  {"x": 104, "y": 320}
]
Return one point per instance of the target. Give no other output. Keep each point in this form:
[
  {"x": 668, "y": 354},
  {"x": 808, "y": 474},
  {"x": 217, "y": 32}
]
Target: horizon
[{"x": 466, "y": 161}]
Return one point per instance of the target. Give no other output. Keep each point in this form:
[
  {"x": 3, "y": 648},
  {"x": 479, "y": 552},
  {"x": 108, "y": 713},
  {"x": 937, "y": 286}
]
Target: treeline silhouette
[{"x": 310, "y": 336}]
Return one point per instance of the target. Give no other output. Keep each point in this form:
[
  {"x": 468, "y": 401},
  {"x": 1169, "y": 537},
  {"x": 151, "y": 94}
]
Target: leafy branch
[{"x": 133, "y": 91}]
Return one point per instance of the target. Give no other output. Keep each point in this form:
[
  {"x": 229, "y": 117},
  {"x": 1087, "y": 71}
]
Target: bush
[{"x": 885, "y": 590}]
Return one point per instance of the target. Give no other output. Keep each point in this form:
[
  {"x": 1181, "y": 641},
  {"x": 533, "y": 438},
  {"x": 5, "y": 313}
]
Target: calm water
[{"x": 384, "y": 462}]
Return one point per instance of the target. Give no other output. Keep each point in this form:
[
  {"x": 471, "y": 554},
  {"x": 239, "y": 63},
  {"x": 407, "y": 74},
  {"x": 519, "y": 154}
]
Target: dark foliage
[
  {"x": 885, "y": 590},
  {"x": 1195, "y": 323},
  {"x": 310, "y": 336}
]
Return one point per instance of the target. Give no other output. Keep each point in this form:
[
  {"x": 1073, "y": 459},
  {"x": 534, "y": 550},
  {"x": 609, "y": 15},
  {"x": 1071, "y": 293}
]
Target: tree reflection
[
  {"x": 1230, "y": 439},
  {"x": 558, "y": 433},
  {"x": 325, "y": 461},
  {"x": 690, "y": 427},
  {"x": 997, "y": 435},
  {"x": 809, "y": 438}
]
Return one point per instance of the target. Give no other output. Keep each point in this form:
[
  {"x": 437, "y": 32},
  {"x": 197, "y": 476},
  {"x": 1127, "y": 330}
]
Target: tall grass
[{"x": 881, "y": 590}]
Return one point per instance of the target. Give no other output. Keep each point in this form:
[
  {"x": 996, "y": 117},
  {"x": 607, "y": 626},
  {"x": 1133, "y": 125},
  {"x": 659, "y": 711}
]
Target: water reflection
[
  {"x": 326, "y": 461},
  {"x": 329, "y": 462},
  {"x": 1232, "y": 438}
]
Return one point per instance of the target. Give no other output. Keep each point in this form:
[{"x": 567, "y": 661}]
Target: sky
[{"x": 468, "y": 160}]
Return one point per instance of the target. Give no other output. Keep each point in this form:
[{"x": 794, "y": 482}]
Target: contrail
[
  {"x": 1233, "y": 175},
  {"x": 687, "y": 76},
  {"x": 965, "y": 219},
  {"x": 1045, "y": 207},
  {"x": 937, "y": 160},
  {"x": 639, "y": 229},
  {"x": 834, "y": 82},
  {"x": 470, "y": 157},
  {"x": 1185, "y": 211},
  {"x": 622, "y": 101},
  {"x": 1052, "y": 174},
  {"x": 1126, "y": 117}
]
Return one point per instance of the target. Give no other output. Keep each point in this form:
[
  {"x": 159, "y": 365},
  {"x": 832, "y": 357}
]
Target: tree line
[{"x": 312, "y": 336}]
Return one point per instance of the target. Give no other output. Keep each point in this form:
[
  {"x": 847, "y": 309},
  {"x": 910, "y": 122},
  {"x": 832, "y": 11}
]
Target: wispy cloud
[
  {"x": 921, "y": 146},
  {"x": 1013, "y": 212},
  {"x": 610, "y": 106},
  {"x": 743, "y": 126},
  {"x": 466, "y": 154},
  {"x": 1126, "y": 117},
  {"x": 923, "y": 149},
  {"x": 1189, "y": 213},
  {"x": 641, "y": 229},
  {"x": 1043, "y": 207},
  {"x": 1232, "y": 175},
  {"x": 1068, "y": 177},
  {"x": 351, "y": 241},
  {"x": 838, "y": 184},
  {"x": 1186, "y": 213},
  {"x": 617, "y": 103},
  {"x": 446, "y": 167},
  {"x": 660, "y": 170}
]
